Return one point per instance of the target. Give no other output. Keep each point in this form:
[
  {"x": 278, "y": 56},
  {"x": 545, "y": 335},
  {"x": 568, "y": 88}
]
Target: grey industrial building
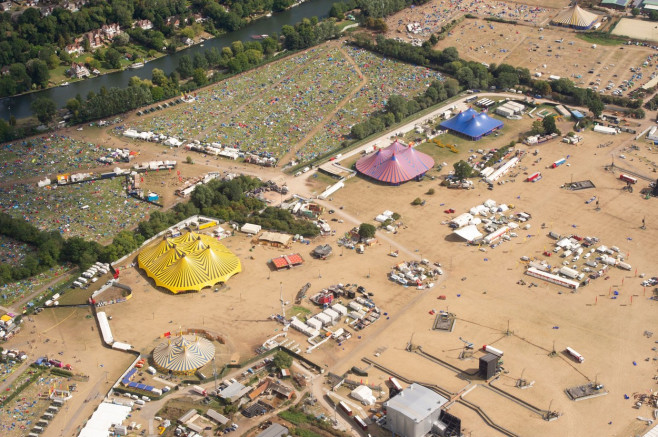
[{"x": 414, "y": 411}]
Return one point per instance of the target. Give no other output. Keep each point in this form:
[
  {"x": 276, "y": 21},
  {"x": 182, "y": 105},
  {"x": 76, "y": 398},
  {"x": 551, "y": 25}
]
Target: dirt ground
[
  {"x": 638, "y": 29},
  {"x": 573, "y": 58},
  {"x": 607, "y": 332},
  {"x": 435, "y": 14}
]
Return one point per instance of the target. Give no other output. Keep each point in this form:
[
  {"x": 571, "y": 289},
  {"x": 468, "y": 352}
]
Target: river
[{"x": 19, "y": 106}]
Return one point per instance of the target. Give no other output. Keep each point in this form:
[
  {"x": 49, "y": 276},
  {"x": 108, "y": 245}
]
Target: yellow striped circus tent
[
  {"x": 183, "y": 355},
  {"x": 189, "y": 262},
  {"x": 576, "y": 18}
]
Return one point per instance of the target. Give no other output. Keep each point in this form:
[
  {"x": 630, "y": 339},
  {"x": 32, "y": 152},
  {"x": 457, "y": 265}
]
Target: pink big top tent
[{"x": 395, "y": 164}]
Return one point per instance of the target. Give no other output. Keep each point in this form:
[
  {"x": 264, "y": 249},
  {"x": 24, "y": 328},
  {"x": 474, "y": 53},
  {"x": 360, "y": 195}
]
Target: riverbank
[{"x": 19, "y": 105}]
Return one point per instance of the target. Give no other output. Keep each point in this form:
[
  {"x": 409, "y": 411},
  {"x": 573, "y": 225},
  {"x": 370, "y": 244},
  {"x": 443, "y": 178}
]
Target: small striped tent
[
  {"x": 183, "y": 355},
  {"x": 189, "y": 262},
  {"x": 576, "y": 18},
  {"x": 395, "y": 164}
]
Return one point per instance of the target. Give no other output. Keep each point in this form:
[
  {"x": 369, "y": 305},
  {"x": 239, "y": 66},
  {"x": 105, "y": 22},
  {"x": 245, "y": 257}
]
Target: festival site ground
[
  {"x": 432, "y": 16},
  {"x": 551, "y": 51},
  {"x": 639, "y": 29},
  {"x": 480, "y": 288}
]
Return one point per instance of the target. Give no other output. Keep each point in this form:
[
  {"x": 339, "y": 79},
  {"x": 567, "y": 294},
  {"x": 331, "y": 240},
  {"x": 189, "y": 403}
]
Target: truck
[
  {"x": 362, "y": 424},
  {"x": 343, "y": 406},
  {"x": 394, "y": 382},
  {"x": 199, "y": 390},
  {"x": 360, "y": 248},
  {"x": 575, "y": 355},
  {"x": 492, "y": 350},
  {"x": 627, "y": 178},
  {"x": 558, "y": 163},
  {"x": 534, "y": 177},
  {"x": 569, "y": 273}
]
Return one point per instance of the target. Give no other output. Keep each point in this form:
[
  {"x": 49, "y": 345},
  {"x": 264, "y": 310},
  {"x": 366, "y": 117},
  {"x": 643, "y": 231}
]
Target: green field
[{"x": 312, "y": 98}]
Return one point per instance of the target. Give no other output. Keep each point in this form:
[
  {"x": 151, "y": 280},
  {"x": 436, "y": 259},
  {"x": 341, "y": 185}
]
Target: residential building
[{"x": 78, "y": 70}]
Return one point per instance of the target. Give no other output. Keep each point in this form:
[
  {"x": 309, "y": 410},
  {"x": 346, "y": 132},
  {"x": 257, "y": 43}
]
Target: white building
[
  {"x": 413, "y": 411},
  {"x": 250, "y": 228},
  {"x": 364, "y": 395}
]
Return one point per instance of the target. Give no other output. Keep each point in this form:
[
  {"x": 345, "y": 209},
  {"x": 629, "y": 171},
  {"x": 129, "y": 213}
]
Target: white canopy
[{"x": 468, "y": 233}]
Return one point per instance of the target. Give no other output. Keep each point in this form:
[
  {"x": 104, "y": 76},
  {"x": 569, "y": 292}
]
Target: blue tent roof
[
  {"x": 472, "y": 124},
  {"x": 577, "y": 114}
]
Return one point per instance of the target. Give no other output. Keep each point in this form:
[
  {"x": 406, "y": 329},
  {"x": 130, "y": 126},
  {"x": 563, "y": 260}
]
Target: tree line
[
  {"x": 225, "y": 200},
  {"x": 398, "y": 107},
  {"x": 475, "y": 75}
]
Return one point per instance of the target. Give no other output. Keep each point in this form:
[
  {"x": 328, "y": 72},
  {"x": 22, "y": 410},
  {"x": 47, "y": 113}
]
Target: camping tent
[
  {"x": 395, "y": 164},
  {"x": 189, "y": 262},
  {"x": 576, "y": 18},
  {"x": 472, "y": 124}
]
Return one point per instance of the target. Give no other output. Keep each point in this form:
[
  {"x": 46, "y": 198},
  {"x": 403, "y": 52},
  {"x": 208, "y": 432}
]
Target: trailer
[
  {"x": 628, "y": 179},
  {"x": 199, "y": 390},
  {"x": 496, "y": 235},
  {"x": 343, "y": 406},
  {"x": 362, "y": 424},
  {"x": 555, "y": 279},
  {"x": 576, "y": 355},
  {"x": 559, "y": 162},
  {"x": 623, "y": 265},
  {"x": 209, "y": 224},
  {"x": 394, "y": 382},
  {"x": 492, "y": 350},
  {"x": 569, "y": 273},
  {"x": 534, "y": 177}
]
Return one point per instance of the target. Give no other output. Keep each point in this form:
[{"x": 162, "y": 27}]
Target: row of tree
[
  {"x": 469, "y": 74},
  {"x": 372, "y": 8},
  {"x": 475, "y": 75},
  {"x": 398, "y": 107},
  {"x": 226, "y": 200}
]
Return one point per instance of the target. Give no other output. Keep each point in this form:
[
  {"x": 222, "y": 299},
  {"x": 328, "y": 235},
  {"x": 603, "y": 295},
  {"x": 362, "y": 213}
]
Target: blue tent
[{"x": 471, "y": 124}]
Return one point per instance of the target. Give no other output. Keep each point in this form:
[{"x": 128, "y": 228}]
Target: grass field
[
  {"x": 13, "y": 252},
  {"x": 61, "y": 208},
  {"x": 22, "y": 412},
  {"x": 46, "y": 156},
  {"x": 600, "y": 40},
  {"x": 10, "y": 293},
  {"x": 304, "y": 105}
]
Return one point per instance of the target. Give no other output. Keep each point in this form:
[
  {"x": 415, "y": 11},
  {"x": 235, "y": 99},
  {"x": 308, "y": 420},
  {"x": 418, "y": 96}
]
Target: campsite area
[
  {"x": 539, "y": 51},
  {"x": 312, "y": 100},
  {"x": 432, "y": 16}
]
